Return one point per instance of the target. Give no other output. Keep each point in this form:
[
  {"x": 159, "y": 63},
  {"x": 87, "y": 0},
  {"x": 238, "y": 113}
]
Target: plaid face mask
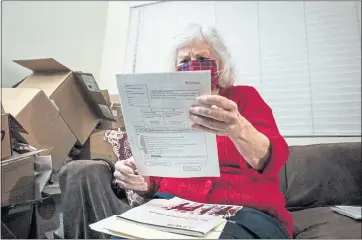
[{"x": 198, "y": 65}]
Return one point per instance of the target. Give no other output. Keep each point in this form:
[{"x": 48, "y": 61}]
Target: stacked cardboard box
[
  {"x": 100, "y": 144},
  {"x": 114, "y": 104},
  {"x": 46, "y": 128},
  {"x": 17, "y": 170},
  {"x": 20, "y": 186},
  {"x": 59, "y": 107},
  {"x": 76, "y": 95},
  {"x": 54, "y": 110}
]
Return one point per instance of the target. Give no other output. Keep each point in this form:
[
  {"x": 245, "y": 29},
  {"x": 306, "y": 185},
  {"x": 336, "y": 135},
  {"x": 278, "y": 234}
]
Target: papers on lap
[
  {"x": 156, "y": 114},
  {"x": 175, "y": 218}
]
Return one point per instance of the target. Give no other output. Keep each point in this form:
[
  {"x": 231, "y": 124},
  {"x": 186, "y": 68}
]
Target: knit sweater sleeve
[
  {"x": 154, "y": 185},
  {"x": 260, "y": 115}
]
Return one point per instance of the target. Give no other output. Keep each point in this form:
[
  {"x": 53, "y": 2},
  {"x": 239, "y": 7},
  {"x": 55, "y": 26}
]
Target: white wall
[
  {"x": 115, "y": 43},
  {"x": 72, "y": 32}
]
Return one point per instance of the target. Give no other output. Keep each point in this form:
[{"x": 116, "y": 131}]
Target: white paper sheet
[
  {"x": 350, "y": 211},
  {"x": 129, "y": 230},
  {"x": 156, "y": 115}
]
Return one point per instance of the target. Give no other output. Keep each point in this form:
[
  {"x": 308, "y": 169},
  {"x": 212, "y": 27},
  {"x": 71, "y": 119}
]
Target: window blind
[
  {"x": 284, "y": 65},
  {"x": 304, "y": 57},
  {"x": 334, "y": 44}
]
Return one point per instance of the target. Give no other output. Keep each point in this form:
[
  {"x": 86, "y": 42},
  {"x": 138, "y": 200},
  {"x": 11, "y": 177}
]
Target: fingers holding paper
[
  {"x": 127, "y": 177},
  {"x": 216, "y": 114}
]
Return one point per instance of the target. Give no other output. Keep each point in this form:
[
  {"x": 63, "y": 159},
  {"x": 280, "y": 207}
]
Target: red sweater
[{"x": 239, "y": 184}]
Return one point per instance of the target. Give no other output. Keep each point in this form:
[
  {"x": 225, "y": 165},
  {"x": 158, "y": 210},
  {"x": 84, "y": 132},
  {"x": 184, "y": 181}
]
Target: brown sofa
[{"x": 317, "y": 177}]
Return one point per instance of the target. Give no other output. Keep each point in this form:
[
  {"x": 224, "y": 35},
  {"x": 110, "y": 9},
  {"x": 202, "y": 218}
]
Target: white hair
[{"x": 197, "y": 32}]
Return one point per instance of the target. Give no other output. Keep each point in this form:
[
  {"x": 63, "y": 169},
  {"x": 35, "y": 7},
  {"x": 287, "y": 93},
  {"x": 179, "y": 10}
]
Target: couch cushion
[
  {"x": 323, "y": 175},
  {"x": 324, "y": 223}
]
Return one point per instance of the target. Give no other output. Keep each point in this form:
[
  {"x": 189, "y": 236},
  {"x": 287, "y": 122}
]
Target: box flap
[
  {"x": 49, "y": 83},
  {"x": 18, "y": 83},
  {"x": 42, "y": 65},
  {"x": 14, "y": 100},
  {"x": 15, "y": 128},
  {"x": 52, "y": 189},
  {"x": 20, "y": 157},
  {"x": 18, "y": 137},
  {"x": 94, "y": 96},
  {"x": 115, "y": 99},
  {"x": 106, "y": 97},
  {"x": 6, "y": 148}
]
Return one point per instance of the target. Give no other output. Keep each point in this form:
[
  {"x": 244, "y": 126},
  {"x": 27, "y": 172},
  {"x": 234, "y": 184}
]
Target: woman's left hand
[{"x": 218, "y": 115}]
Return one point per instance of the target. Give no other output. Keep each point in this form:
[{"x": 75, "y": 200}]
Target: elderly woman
[{"x": 251, "y": 151}]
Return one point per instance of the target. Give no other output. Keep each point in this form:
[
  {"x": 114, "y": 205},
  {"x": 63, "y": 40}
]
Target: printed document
[
  {"x": 175, "y": 218},
  {"x": 155, "y": 108}
]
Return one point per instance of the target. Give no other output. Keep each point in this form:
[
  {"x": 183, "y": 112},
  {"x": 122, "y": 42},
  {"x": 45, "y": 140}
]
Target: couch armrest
[{"x": 323, "y": 175}]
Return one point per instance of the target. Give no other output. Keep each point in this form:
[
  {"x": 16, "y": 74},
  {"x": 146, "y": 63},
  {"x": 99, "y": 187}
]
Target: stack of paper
[
  {"x": 350, "y": 211},
  {"x": 175, "y": 218},
  {"x": 156, "y": 109}
]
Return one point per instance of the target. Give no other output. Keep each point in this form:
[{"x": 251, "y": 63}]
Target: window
[{"x": 304, "y": 57}]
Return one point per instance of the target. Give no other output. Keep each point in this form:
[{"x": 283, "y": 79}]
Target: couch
[{"x": 317, "y": 177}]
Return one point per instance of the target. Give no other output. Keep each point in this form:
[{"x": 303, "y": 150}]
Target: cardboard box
[
  {"x": 76, "y": 94},
  {"x": 118, "y": 115},
  {"x": 115, "y": 98},
  {"x": 97, "y": 146},
  {"x": 106, "y": 96},
  {"x": 116, "y": 111},
  {"x": 10, "y": 129},
  {"x": 115, "y": 106},
  {"x": 46, "y": 128},
  {"x": 6, "y": 149},
  {"x": 118, "y": 124},
  {"x": 17, "y": 179}
]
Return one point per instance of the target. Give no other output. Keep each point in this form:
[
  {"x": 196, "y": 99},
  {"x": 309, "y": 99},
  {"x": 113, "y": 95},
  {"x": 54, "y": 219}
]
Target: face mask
[{"x": 198, "y": 65}]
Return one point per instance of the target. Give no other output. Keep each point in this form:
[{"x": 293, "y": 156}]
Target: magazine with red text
[{"x": 180, "y": 216}]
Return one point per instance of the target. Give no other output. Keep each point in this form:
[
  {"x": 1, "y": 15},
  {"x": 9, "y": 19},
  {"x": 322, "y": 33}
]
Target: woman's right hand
[{"x": 127, "y": 177}]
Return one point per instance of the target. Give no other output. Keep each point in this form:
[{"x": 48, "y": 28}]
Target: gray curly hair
[{"x": 209, "y": 35}]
